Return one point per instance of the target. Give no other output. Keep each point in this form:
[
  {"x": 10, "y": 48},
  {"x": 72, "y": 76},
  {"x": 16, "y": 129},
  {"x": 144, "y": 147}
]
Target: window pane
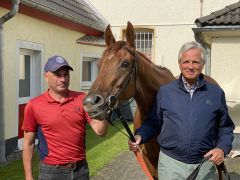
[
  {"x": 142, "y": 45},
  {"x": 86, "y": 71},
  {"x": 150, "y": 35},
  {"x": 138, "y": 36},
  {"x": 24, "y": 75},
  {"x": 147, "y": 36}
]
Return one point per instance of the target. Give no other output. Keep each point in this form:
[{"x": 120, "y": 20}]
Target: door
[{"x": 29, "y": 78}]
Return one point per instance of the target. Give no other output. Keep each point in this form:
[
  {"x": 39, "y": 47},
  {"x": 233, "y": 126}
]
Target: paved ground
[{"x": 125, "y": 167}]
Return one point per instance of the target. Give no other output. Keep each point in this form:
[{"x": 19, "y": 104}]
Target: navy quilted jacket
[{"x": 189, "y": 127}]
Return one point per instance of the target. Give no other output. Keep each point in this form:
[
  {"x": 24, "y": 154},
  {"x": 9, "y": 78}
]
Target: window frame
[{"x": 86, "y": 85}]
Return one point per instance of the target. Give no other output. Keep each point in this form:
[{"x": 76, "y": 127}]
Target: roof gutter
[
  {"x": 216, "y": 28},
  {"x": 199, "y": 30},
  {"x": 3, "y": 19}
]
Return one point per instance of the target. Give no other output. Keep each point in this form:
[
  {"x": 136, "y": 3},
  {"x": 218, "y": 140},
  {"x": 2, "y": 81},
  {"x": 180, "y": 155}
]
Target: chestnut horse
[{"x": 127, "y": 73}]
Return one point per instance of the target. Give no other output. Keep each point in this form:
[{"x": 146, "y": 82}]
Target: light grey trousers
[{"x": 171, "y": 169}]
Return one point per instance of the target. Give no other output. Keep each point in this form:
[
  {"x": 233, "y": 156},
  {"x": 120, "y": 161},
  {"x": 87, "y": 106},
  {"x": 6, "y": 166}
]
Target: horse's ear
[
  {"x": 130, "y": 35},
  {"x": 109, "y": 38}
]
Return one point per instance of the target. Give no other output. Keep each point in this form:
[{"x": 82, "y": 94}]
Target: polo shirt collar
[{"x": 51, "y": 100}]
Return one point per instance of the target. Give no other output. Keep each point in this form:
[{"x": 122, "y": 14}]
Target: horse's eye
[{"x": 125, "y": 64}]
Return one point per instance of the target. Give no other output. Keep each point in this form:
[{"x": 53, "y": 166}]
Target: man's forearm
[
  {"x": 28, "y": 152},
  {"x": 99, "y": 127}
]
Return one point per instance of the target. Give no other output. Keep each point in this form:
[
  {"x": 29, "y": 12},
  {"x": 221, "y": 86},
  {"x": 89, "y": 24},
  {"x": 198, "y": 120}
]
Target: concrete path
[{"x": 126, "y": 167}]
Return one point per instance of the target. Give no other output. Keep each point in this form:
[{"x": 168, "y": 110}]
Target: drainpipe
[
  {"x": 3, "y": 19},
  {"x": 201, "y": 8}
]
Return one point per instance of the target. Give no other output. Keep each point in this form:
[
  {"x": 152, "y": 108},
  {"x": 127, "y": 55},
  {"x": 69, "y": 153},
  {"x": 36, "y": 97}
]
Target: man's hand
[
  {"x": 134, "y": 146},
  {"x": 217, "y": 155}
]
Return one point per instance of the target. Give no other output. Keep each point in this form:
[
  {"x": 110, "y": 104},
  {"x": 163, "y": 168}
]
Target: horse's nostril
[
  {"x": 93, "y": 99},
  {"x": 97, "y": 99}
]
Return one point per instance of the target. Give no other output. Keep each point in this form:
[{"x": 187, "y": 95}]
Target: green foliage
[{"x": 100, "y": 151}]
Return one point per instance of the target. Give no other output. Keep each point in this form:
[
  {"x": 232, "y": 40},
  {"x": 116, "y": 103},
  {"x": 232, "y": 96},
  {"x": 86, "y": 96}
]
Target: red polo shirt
[{"x": 60, "y": 127}]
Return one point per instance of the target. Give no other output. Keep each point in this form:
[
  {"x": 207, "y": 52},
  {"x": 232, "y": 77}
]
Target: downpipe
[{"x": 3, "y": 19}]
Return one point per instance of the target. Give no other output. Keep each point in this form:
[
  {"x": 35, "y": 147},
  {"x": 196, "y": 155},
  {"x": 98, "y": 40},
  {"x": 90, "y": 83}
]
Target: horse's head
[{"x": 115, "y": 82}]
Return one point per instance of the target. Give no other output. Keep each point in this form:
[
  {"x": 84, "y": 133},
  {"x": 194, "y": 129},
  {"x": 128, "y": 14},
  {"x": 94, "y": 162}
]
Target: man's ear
[{"x": 45, "y": 75}]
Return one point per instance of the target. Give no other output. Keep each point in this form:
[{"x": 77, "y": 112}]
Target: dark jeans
[{"x": 53, "y": 172}]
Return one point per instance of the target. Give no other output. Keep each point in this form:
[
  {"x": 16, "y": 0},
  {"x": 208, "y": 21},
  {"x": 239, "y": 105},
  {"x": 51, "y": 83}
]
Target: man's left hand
[{"x": 217, "y": 155}]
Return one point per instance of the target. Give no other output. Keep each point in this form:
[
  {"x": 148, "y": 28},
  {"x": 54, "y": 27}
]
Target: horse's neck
[{"x": 149, "y": 79}]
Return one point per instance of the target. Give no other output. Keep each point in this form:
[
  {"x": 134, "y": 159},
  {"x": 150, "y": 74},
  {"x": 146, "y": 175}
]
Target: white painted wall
[
  {"x": 225, "y": 69},
  {"x": 172, "y": 19}
]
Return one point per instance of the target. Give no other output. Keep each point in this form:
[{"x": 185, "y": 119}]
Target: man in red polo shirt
[{"x": 58, "y": 120}]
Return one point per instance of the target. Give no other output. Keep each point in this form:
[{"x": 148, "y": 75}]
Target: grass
[{"x": 100, "y": 151}]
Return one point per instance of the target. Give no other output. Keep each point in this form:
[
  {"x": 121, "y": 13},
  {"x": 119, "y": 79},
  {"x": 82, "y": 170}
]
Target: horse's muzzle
[{"x": 95, "y": 106}]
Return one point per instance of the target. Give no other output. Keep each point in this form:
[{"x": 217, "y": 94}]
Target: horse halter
[{"x": 113, "y": 99}]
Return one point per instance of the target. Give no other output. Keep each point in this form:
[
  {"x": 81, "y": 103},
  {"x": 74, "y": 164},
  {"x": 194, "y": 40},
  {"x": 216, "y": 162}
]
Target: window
[
  {"x": 89, "y": 71},
  {"x": 144, "y": 41}
]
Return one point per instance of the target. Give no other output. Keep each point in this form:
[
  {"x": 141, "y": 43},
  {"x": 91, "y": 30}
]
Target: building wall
[
  {"x": 173, "y": 21},
  {"x": 54, "y": 40},
  {"x": 225, "y": 67}
]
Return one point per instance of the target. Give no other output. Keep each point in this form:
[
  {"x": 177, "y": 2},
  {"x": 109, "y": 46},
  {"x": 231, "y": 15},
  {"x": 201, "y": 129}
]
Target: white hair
[{"x": 191, "y": 45}]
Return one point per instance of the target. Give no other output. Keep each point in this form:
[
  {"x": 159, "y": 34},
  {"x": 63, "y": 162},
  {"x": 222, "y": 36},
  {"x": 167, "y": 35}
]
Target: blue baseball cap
[{"x": 56, "y": 62}]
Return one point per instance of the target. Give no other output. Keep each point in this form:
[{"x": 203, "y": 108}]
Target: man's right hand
[{"x": 134, "y": 146}]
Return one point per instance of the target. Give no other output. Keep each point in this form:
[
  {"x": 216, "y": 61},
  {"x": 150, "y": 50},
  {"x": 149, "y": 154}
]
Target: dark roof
[
  {"x": 92, "y": 40},
  {"x": 77, "y": 11},
  {"x": 228, "y": 16}
]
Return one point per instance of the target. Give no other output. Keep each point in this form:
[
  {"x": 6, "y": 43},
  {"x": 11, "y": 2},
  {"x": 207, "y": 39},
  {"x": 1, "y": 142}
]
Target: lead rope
[
  {"x": 110, "y": 122},
  {"x": 124, "y": 123},
  {"x": 112, "y": 101},
  {"x": 194, "y": 174},
  {"x": 130, "y": 135}
]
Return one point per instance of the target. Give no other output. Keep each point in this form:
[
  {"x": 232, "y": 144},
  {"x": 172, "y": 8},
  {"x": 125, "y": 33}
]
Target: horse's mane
[{"x": 149, "y": 61}]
